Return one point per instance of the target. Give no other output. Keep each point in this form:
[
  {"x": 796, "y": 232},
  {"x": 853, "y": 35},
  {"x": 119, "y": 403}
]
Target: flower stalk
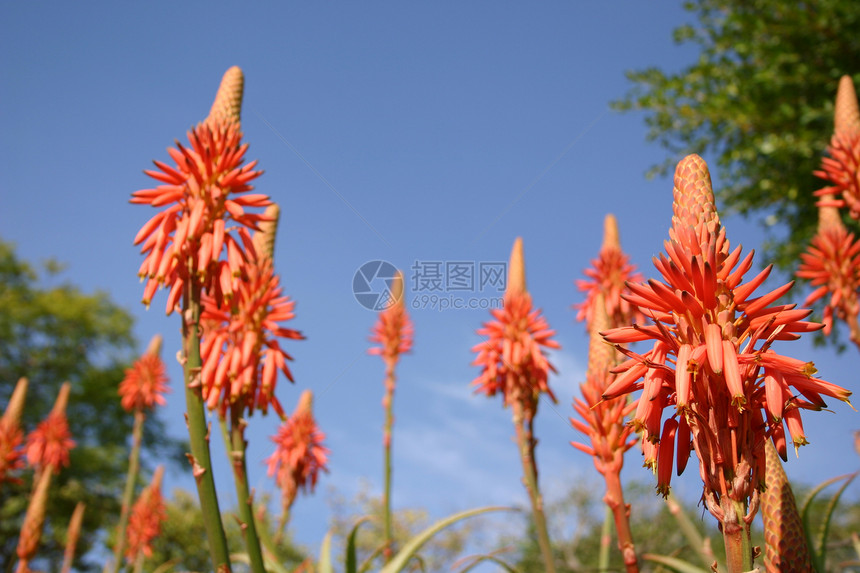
[
  {"x": 514, "y": 365},
  {"x": 393, "y": 331},
  {"x": 199, "y": 430}
]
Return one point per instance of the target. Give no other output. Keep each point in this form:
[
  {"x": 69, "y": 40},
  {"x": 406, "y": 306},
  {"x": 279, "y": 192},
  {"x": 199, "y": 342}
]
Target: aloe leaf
[
  {"x": 478, "y": 559},
  {"x": 674, "y": 563},
  {"x": 420, "y": 561},
  {"x": 351, "y": 559},
  {"x": 369, "y": 561},
  {"x": 805, "y": 514},
  {"x": 325, "y": 555},
  {"x": 821, "y": 550},
  {"x": 413, "y": 545}
]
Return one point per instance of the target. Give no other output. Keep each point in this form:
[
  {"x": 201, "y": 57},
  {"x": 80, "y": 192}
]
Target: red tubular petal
[
  {"x": 666, "y": 456},
  {"x": 733, "y": 374},
  {"x": 743, "y": 291},
  {"x": 714, "y": 344},
  {"x": 682, "y": 377},
  {"x": 684, "y": 444},
  {"x": 752, "y": 307}
]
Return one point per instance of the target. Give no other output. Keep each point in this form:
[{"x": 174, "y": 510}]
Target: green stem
[
  {"x": 388, "y": 528},
  {"x": 614, "y": 499},
  {"x": 138, "y": 563},
  {"x": 605, "y": 542},
  {"x": 736, "y": 534},
  {"x": 526, "y": 443},
  {"x": 198, "y": 431},
  {"x": 128, "y": 494},
  {"x": 245, "y": 500}
]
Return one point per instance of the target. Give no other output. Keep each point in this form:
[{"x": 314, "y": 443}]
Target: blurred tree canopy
[
  {"x": 51, "y": 334},
  {"x": 757, "y": 104}
]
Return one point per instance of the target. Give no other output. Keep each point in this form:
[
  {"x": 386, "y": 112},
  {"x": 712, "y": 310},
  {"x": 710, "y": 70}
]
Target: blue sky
[{"x": 402, "y": 132}]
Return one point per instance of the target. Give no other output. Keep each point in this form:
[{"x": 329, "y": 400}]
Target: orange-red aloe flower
[
  {"x": 11, "y": 434},
  {"x": 49, "y": 444},
  {"x": 240, "y": 349},
  {"x": 832, "y": 264},
  {"x": 712, "y": 364},
  {"x": 299, "y": 452},
  {"x": 842, "y": 168},
  {"x": 393, "y": 330},
  {"x": 607, "y": 277},
  {"x": 11, "y": 454},
  {"x": 832, "y": 261},
  {"x": 202, "y": 194},
  {"x": 512, "y": 358},
  {"x": 147, "y": 515},
  {"x": 145, "y": 382}
]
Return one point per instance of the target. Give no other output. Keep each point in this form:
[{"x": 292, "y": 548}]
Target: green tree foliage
[
  {"x": 757, "y": 102},
  {"x": 51, "y": 334}
]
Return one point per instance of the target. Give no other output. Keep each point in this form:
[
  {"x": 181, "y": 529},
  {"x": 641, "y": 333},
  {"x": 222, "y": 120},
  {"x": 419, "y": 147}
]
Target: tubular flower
[
  {"x": 393, "y": 331},
  {"x": 607, "y": 276},
  {"x": 299, "y": 452},
  {"x": 205, "y": 191},
  {"x": 11, "y": 455},
  {"x": 240, "y": 349},
  {"x": 832, "y": 264},
  {"x": 147, "y": 515},
  {"x": 831, "y": 261},
  {"x": 49, "y": 444},
  {"x": 842, "y": 168},
  {"x": 146, "y": 381},
  {"x": 712, "y": 357},
  {"x": 512, "y": 357},
  {"x": 11, "y": 435}
]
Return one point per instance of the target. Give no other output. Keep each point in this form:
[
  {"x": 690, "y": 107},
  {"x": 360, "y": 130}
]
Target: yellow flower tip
[
  {"x": 517, "y": 269},
  {"x": 610, "y": 233},
  {"x": 157, "y": 477},
  {"x": 228, "y": 101},
  {"x": 62, "y": 399},
  {"x": 306, "y": 402},
  {"x": 846, "y": 116},
  {"x": 12, "y": 415},
  {"x": 154, "y": 346},
  {"x": 693, "y": 194},
  {"x": 397, "y": 288},
  {"x": 264, "y": 239}
]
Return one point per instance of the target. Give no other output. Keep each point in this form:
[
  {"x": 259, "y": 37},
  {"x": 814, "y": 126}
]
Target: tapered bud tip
[
  {"x": 157, "y": 477},
  {"x": 610, "y": 233},
  {"x": 154, "y": 347},
  {"x": 264, "y": 239},
  {"x": 517, "y": 269},
  {"x": 228, "y": 100},
  {"x": 693, "y": 194},
  {"x": 846, "y": 115},
  {"x": 397, "y": 288},
  {"x": 62, "y": 399},
  {"x": 12, "y": 415},
  {"x": 306, "y": 402}
]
